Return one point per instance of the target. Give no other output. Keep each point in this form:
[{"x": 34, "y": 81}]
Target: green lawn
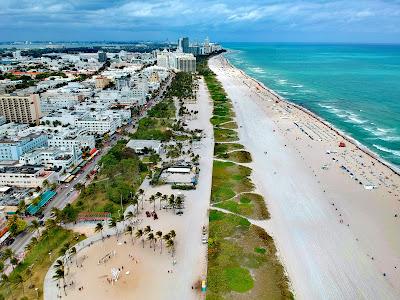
[
  {"x": 220, "y": 148},
  {"x": 39, "y": 259},
  {"x": 153, "y": 129}
]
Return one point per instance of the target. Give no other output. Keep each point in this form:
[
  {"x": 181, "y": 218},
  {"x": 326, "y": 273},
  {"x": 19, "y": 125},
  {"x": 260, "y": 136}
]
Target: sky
[{"x": 350, "y": 21}]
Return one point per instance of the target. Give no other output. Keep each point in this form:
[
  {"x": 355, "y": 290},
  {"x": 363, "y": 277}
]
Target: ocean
[{"x": 354, "y": 87}]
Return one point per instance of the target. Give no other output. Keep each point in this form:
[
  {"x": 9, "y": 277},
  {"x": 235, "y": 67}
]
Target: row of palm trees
[
  {"x": 61, "y": 265},
  {"x": 154, "y": 237}
]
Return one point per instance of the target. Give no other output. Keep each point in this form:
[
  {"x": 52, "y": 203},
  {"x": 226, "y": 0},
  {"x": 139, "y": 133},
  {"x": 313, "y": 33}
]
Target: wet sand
[{"x": 333, "y": 208}]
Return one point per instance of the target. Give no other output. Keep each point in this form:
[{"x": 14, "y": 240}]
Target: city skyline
[{"x": 372, "y": 21}]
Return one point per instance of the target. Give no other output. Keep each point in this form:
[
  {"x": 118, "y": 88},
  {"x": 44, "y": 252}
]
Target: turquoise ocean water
[{"x": 354, "y": 87}]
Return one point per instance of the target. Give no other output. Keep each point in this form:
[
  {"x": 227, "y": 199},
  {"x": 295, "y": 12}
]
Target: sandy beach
[
  {"x": 335, "y": 210},
  {"x": 151, "y": 273}
]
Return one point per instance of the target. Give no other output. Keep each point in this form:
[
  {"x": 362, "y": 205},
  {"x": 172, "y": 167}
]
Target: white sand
[
  {"x": 327, "y": 227},
  {"x": 149, "y": 278}
]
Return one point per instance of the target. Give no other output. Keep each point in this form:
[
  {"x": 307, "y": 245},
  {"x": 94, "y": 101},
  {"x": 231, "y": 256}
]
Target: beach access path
[{"x": 336, "y": 239}]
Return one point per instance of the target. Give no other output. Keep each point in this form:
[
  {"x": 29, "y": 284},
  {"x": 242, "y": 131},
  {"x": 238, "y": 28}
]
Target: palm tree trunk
[{"x": 161, "y": 247}]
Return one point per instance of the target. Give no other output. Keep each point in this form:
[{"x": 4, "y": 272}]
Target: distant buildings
[
  {"x": 20, "y": 109},
  {"x": 102, "y": 57}
]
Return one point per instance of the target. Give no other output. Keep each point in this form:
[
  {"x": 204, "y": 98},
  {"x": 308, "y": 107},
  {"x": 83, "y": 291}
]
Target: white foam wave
[
  {"x": 257, "y": 70},
  {"x": 297, "y": 86},
  {"x": 387, "y": 150},
  {"x": 282, "y": 81}
]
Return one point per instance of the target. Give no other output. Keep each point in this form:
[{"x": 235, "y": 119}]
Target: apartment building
[
  {"x": 21, "y": 109},
  {"x": 26, "y": 176},
  {"x": 12, "y": 149}
]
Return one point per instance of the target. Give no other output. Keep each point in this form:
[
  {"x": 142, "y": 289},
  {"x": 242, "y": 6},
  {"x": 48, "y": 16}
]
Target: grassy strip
[
  {"x": 229, "y": 125},
  {"x": 225, "y": 147},
  {"x": 242, "y": 259},
  {"x": 240, "y": 156},
  {"x": 229, "y": 179},
  {"x": 249, "y": 205},
  {"x": 225, "y": 135},
  {"x": 39, "y": 261}
]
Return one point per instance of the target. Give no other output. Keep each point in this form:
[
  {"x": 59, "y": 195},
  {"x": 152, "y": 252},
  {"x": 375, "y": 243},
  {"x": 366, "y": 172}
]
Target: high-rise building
[
  {"x": 185, "y": 45},
  {"x": 21, "y": 109},
  {"x": 102, "y": 57}
]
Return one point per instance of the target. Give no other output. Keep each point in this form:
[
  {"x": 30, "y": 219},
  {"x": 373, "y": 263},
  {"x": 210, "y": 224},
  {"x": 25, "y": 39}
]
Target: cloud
[{"x": 100, "y": 19}]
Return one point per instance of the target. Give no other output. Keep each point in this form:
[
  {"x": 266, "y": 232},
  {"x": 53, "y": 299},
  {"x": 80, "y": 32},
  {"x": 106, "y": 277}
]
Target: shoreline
[
  {"x": 345, "y": 136},
  {"x": 327, "y": 203}
]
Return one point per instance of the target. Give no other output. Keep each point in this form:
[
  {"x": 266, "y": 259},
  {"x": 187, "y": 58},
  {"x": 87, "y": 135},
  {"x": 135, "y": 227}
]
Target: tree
[
  {"x": 150, "y": 238},
  {"x": 159, "y": 235},
  {"x": 152, "y": 199},
  {"x": 99, "y": 228},
  {"x": 73, "y": 252},
  {"x": 141, "y": 194},
  {"x": 139, "y": 234},
  {"x": 170, "y": 245},
  {"x": 34, "y": 227},
  {"x": 163, "y": 198},
  {"x": 8, "y": 253},
  {"x": 21, "y": 207},
  {"x": 14, "y": 261},
  {"x": 60, "y": 275},
  {"x": 129, "y": 216},
  {"x": 129, "y": 230},
  {"x": 171, "y": 201},
  {"x": 172, "y": 234},
  {"x": 112, "y": 223}
]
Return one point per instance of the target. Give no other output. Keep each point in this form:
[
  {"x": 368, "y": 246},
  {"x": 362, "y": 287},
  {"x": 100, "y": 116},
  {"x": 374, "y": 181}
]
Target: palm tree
[
  {"x": 14, "y": 261},
  {"x": 129, "y": 216},
  {"x": 112, "y": 223},
  {"x": 141, "y": 193},
  {"x": 163, "y": 198},
  {"x": 73, "y": 252},
  {"x": 56, "y": 214},
  {"x": 129, "y": 230},
  {"x": 99, "y": 228},
  {"x": 34, "y": 227},
  {"x": 166, "y": 238},
  {"x": 158, "y": 195},
  {"x": 179, "y": 201},
  {"x": 135, "y": 201},
  {"x": 170, "y": 245},
  {"x": 59, "y": 264},
  {"x": 172, "y": 234},
  {"x": 139, "y": 234},
  {"x": 171, "y": 201},
  {"x": 147, "y": 229},
  {"x": 159, "y": 235},
  {"x": 152, "y": 199},
  {"x": 58, "y": 275},
  {"x": 150, "y": 237}
]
